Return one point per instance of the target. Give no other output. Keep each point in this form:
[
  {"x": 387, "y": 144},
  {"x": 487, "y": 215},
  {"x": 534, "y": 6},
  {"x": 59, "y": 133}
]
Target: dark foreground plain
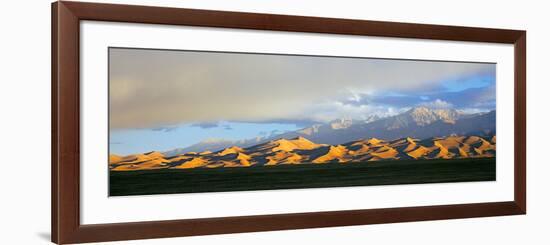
[{"x": 171, "y": 181}]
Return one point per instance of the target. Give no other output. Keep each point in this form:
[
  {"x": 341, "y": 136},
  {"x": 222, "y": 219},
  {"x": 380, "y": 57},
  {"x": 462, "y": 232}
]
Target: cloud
[
  {"x": 209, "y": 125},
  {"x": 154, "y": 88},
  {"x": 205, "y": 125},
  {"x": 297, "y": 120},
  {"x": 437, "y": 104},
  {"x": 165, "y": 129},
  {"x": 275, "y": 132},
  {"x": 482, "y": 98},
  {"x": 382, "y": 99},
  {"x": 326, "y": 112}
]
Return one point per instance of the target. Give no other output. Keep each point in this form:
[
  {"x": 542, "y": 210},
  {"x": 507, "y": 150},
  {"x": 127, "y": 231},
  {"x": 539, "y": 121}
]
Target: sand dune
[
  {"x": 283, "y": 157},
  {"x": 374, "y": 141},
  {"x": 384, "y": 153},
  {"x": 288, "y": 145},
  {"x": 419, "y": 152},
  {"x": 205, "y": 153},
  {"x": 237, "y": 159},
  {"x": 296, "y": 143},
  {"x": 151, "y": 160},
  {"x": 230, "y": 150},
  {"x": 334, "y": 154},
  {"x": 192, "y": 163},
  {"x": 359, "y": 148},
  {"x": 303, "y": 151},
  {"x": 113, "y": 159}
]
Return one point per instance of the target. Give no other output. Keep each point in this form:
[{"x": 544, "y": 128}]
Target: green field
[{"x": 170, "y": 181}]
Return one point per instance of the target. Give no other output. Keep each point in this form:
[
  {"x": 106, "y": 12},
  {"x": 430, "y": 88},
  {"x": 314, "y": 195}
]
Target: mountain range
[
  {"x": 301, "y": 150},
  {"x": 418, "y": 122}
]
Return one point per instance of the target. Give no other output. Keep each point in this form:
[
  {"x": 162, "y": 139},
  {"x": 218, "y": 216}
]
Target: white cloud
[
  {"x": 437, "y": 104},
  {"x": 326, "y": 112}
]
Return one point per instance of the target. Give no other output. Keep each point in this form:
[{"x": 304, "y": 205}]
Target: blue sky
[
  {"x": 470, "y": 93},
  {"x": 129, "y": 141},
  {"x": 161, "y": 100}
]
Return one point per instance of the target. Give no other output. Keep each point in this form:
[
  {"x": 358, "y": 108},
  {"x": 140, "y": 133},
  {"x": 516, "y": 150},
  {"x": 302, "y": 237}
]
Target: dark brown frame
[{"x": 66, "y": 227}]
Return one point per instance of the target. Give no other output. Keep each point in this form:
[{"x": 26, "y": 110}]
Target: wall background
[{"x": 25, "y": 121}]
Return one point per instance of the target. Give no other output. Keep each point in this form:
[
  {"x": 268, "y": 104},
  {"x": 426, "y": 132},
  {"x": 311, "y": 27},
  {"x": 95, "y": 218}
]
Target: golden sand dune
[
  {"x": 113, "y": 159},
  {"x": 193, "y": 163},
  {"x": 288, "y": 145},
  {"x": 374, "y": 141},
  {"x": 297, "y": 143},
  {"x": 359, "y": 148},
  {"x": 180, "y": 158},
  {"x": 411, "y": 144},
  {"x": 303, "y": 151},
  {"x": 383, "y": 153},
  {"x": 419, "y": 152},
  {"x": 205, "y": 153},
  {"x": 283, "y": 157},
  {"x": 243, "y": 159},
  {"x": 238, "y": 159},
  {"x": 441, "y": 152},
  {"x": 334, "y": 154},
  {"x": 230, "y": 150},
  {"x": 151, "y": 160},
  {"x": 450, "y": 142},
  {"x": 404, "y": 145}
]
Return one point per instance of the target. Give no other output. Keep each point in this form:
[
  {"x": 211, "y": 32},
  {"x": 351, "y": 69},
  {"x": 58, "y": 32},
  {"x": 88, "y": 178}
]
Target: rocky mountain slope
[{"x": 419, "y": 122}]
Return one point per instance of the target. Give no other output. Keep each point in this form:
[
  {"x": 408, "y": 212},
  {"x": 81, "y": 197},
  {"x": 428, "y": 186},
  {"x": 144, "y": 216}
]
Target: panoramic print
[{"x": 202, "y": 121}]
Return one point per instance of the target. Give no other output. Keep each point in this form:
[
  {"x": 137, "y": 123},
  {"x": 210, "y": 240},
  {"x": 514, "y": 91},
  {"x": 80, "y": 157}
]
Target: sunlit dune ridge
[{"x": 303, "y": 151}]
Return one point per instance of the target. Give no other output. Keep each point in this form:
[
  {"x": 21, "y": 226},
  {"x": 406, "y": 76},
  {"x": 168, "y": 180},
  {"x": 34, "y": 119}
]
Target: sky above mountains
[{"x": 161, "y": 100}]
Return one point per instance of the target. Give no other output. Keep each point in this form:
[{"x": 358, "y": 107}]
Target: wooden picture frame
[{"x": 66, "y": 226}]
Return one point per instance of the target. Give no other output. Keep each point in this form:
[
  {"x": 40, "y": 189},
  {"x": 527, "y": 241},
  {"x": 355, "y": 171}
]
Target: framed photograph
[{"x": 177, "y": 122}]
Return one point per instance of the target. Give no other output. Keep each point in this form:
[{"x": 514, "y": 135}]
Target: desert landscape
[
  {"x": 184, "y": 121},
  {"x": 292, "y": 160},
  {"x": 301, "y": 150}
]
